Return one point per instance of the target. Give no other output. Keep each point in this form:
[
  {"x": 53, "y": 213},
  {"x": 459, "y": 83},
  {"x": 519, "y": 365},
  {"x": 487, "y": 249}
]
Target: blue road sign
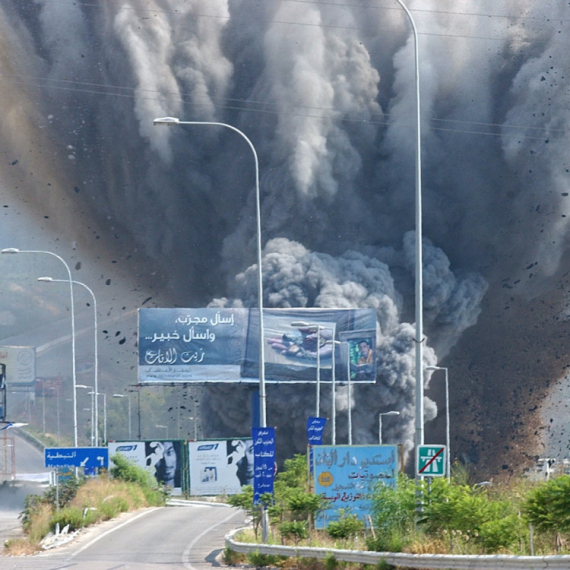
[{"x": 76, "y": 457}]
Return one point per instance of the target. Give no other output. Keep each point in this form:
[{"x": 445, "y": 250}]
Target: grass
[{"x": 96, "y": 500}]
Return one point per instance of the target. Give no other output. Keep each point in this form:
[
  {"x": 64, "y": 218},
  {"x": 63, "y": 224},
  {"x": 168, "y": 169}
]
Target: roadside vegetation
[
  {"x": 518, "y": 517},
  {"x": 82, "y": 502}
]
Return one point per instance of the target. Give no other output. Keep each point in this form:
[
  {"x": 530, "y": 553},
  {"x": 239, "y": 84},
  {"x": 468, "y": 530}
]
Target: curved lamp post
[
  {"x": 96, "y": 356},
  {"x": 70, "y": 281},
  {"x": 170, "y": 121},
  {"x": 390, "y": 413},
  {"x": 447, "y": 438},
  {"x": 418, "y": 251},
  {"x": 92, "y": 394},
  {"x": 129, "y": 400}
]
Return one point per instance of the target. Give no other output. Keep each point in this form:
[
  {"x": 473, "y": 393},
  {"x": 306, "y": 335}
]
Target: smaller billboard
[
  {"x": 220, "y": 467},
  {"x": 345, "y": 476},
  {"x": 20, "y": 364},
  {"x": 161, "y": 458}
]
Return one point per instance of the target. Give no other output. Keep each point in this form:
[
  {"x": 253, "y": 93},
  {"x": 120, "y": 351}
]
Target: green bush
[
  {"x": 496, "y": 535},
  {"x": 126, "y": 470},
  {"x": 345, "y": 527},
  {"x": 75, "y": 517},
  {"x": 295, "y": 530}
]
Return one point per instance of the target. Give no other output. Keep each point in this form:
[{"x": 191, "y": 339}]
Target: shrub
[
  {"x": 75, "y": 517},
  {"x": 295, "y": 530},
  {"x": 345, "y": 527}
]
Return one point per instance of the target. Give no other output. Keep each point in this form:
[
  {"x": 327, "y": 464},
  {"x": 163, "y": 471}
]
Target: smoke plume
[{"x": 325, "y": 91}]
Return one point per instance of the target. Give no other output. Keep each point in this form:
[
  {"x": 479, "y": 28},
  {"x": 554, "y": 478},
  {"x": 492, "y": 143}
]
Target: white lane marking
[
  {"x": 186, "y": 553},
  {"x": 113, "y": 530}
]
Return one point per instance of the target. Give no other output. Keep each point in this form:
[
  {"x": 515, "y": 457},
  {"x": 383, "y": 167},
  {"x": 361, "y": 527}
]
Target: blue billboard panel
[
  {"x": 263, "y": 461},
  {"x": 90, "y": 457},
  {"x": 345, "y": 476},
  {"x": 222, "y": 345}
]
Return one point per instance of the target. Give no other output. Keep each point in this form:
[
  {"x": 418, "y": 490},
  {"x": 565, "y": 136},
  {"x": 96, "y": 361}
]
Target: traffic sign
[
  {"x": 431, "y": 460},
  {"x": 76, "y": 457}
]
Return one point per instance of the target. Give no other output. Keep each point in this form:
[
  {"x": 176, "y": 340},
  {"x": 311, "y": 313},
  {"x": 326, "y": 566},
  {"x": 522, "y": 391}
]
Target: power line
[{"x": 244, "y": 106}]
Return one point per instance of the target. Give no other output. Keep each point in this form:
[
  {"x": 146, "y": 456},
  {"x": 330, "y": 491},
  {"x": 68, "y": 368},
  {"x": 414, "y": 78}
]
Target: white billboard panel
[
  {"x": 20, "y": 364},
  {"x": 220, "y": 467}
]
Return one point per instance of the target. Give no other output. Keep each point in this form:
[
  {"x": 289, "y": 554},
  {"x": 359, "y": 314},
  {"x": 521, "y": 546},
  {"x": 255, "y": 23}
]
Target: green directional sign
[{"x": 431, "y": 460}]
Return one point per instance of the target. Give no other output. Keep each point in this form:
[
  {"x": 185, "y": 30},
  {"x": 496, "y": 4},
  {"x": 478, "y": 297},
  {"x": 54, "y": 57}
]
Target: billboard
[
  {"x": 345, "y": 476},
  {"x": 163, "y": 459},
  {"x": 220, "y": 467},
  {"x": 222, "y": 345},
  {"x": 20, "y": 364}
]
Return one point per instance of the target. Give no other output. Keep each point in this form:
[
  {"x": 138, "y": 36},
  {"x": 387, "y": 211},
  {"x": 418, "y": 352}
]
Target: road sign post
[
  {"x": 431, "y": 460},
  {"x": 90, "y": 457}
]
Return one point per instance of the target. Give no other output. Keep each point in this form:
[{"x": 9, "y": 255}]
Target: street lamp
[
  {"x": 390, "y": 413},
  {"x": 92, "y": 407},
  {"x": 104, "y": 415},
  {"x": 418, "y": 252},
  {"x": 163, "y": 427},
  {"x": 447, "y": 438},
  {"x": 129, "y": 400},
  {"x": 170, "y": 121},
  {"x": 319, "y": 327},
  {"x": 96, "y": 354},
  {"x": 139, "y": 411},
  {"x": 70, "y": 281},
  {"x": 195, "y": 420}
]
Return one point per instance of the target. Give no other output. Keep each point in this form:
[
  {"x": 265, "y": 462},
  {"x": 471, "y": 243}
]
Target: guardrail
[{"x": 404, "y": 560}]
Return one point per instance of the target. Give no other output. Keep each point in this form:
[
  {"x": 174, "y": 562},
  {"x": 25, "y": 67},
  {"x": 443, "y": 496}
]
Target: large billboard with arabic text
[
  {"x": 222, "y": 345},
  {"x": 345, "y": 476}
]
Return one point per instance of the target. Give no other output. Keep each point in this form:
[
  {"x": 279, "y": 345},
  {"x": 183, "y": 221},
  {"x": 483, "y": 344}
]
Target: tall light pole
[
  {"x": 129, "y": 400},
  {"x": 96, "y": 354},
  {"x": 418, "y": 252},
  {"x": 262, "y": 398},
  {"x": 390, "y": 413},
  {"x": 447, "y": 438},
  {"x": 92, "y": 393},
  {"x": 303, "y": 324},
  {"x": 72, "y": 308},
  {"x": 96, "y": 394},
  {"x": 349, "y": 382}
]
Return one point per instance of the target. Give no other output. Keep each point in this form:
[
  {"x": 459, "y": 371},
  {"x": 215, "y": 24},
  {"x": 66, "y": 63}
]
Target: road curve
[{"x": 182, "y": 537}]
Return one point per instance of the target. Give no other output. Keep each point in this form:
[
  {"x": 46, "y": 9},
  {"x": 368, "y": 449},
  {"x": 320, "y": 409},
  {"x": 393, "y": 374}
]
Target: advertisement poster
[
  {"x": 162, "y": 459},
  {"x": 222, "y": 345},
  {"x": 345, "y": 476},
  {"x": 220, "y": 467},
  {"x": 20, "y": 364},
  {"x": 263, "y": 461}
]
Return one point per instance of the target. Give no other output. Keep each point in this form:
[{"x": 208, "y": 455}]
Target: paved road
[
  {"x": 189, "y": 537},
  {"x": 29, "y": 463}
]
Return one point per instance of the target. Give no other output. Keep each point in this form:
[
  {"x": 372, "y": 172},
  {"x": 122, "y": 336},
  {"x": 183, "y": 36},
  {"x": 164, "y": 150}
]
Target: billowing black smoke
[{"x": 326, "y": 93}]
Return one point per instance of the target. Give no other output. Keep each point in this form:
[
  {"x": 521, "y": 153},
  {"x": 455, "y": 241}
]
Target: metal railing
[{"x": 405, "y": 560}]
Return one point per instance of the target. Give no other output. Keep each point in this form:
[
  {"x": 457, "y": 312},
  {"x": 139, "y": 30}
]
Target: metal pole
[
  {"x": 104, "y": 416},
  {"x": 380, "y": 429},
  {"x": 72, "y": 308},
  {"x": 333, "y": 392},
  {"x": 130, "y": 431},
  {"x": 318, "y": 369},
  {"x": 418, "y": 252},
  {"x": 447, "y": 437},
  {"x": 349, "y": 394},
  {"x": 262, "y": 395}
]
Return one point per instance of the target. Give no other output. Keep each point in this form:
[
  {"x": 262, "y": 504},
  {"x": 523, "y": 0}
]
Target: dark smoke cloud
[{"x": 326, "y": 94}]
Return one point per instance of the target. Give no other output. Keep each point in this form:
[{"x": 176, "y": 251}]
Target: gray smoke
[{"x": 326, "y": 93}]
